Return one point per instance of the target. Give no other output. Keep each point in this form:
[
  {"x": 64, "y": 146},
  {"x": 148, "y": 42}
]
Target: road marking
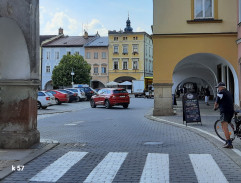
[
  {"x": 206, "y": 169},
  {"x": 107, "y": 169},
  {"x": 58, "y": 168},
  {"x": 156, "y": 168},
  {"x": 73, "y": 123}
]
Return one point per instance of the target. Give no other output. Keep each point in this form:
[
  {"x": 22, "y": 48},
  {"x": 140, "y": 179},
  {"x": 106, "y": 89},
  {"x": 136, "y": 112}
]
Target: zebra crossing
[{"x": 155, "y": 170}]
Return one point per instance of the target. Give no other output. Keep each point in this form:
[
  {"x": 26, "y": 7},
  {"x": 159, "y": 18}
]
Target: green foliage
[{"x": 61, "y": 75}]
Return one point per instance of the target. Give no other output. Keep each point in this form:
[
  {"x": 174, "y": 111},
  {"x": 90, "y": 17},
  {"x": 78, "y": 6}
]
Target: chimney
[
  {"x": 61, "y": 31},
  {"x": 86, "y": 35}
]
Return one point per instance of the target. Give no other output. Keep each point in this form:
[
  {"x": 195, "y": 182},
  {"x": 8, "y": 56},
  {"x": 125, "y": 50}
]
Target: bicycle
[{"x": 234, "y": 130}]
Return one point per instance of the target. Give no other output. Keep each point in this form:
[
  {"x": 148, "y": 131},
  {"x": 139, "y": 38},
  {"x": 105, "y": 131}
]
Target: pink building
[{"x": 239, "y": 43}]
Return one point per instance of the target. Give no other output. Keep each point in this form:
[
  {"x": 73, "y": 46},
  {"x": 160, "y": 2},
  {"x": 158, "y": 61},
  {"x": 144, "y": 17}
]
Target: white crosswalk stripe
[
  {"x": 206, "y": 169},
  {"x": 107, "y": 168},
  {"x": 156, "y": 169},
  {"x": 57, "y": 169}
]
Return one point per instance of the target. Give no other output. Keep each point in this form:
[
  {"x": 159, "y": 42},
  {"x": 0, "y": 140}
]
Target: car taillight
[
  {"x": 91, "y": 92},
  {"x": 47, "y": 98}
]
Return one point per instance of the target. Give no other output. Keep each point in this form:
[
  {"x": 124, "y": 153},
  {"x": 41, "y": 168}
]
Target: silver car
[{"x": 81, "y": 93}]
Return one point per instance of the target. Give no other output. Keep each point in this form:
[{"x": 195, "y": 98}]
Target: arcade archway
[{"x": 210, "y": 68}]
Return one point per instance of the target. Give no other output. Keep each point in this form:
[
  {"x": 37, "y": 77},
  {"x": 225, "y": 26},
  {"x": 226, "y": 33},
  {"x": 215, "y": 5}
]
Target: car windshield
[
  {"x": 73, "y": 90},
  {"x": 64, "y": 91},
  {"x": 49, "y": 94},
  {"x": 119, "y": 91}
]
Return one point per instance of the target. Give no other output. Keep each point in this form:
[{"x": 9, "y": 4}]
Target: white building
[{"x": 53, "y": 51}]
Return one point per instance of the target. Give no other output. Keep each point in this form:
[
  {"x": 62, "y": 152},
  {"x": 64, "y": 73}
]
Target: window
[
  {"x": 116, "y": 64},
  {"x": 104, "y": 55},
  {"x": 125, "y": 64},
  {"x": 48, "y": 68},
  {"x": 68, "y": 52},
  {"x": 239, "y": 10},
  {"x": 125, "y": 49},
  {"x": 115, "y": 38},
  {"x": 149, "y": 51},
  {"x": 77, "y": 52},
  {"x": 135, "y": 64},
  {"x": 48, "y": 55},
  {"x": 87, "y": 55},
  {"x": 135, "y": 38},
  {"x": 203, "y": 9},
  {"x": 103, "y": 70},
  {"x": 135, "y": 48},
  {"x": 96, "y": 70},
  {"x": 56, "y": 55},
  {"x": 116, "y": 48},
  {"x": 125, "y": 38},
  {"x": 96, "y": 55}
]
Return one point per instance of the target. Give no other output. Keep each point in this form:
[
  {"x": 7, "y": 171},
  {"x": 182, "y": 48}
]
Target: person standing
[
  {"x": 224, "y": 102},
  {"x": 207, "y": 95}
]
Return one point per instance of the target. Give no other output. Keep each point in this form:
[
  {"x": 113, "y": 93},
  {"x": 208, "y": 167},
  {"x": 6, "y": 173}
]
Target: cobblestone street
[{"x": 121, "y": 145}]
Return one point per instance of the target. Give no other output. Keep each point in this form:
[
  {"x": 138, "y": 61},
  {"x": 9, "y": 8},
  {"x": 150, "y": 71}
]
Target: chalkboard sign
[{"x": 191, "y": 111}]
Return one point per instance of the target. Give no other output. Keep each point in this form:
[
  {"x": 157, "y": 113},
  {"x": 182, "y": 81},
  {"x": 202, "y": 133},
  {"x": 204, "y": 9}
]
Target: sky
[{"x": 74, "y": 16}]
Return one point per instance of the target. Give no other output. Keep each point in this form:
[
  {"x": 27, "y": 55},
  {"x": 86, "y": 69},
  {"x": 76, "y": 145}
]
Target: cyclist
[{"x": 224, "y": 101}]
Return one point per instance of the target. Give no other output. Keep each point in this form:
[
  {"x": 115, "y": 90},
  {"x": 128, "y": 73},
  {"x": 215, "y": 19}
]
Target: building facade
[
  {"x": 195, "y": 43},
  {"x": 53, "y": 51},
  {"x": 130, "y": 55},
  {"x": 96, "y": 54}
]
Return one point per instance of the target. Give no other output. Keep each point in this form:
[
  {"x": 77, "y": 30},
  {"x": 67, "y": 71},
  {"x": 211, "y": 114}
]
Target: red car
[
  {"x": 110, "y": 97},
  {"x": 60, "y": 97}
]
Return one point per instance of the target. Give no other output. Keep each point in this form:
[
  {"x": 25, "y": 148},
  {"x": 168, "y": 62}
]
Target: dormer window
[{"x": 203, "y": 9}]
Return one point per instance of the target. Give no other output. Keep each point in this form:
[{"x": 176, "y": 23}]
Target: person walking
[
  {"x": 207, "y": 95},
  {"x": 224, "y": 102}
]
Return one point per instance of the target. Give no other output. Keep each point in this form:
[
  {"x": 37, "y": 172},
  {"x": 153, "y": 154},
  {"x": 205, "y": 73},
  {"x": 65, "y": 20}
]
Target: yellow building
[
  {"x": 130, "y": 55},
  {"x": 194, "y": 42}
]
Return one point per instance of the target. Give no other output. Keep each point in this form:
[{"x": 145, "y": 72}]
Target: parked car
[
  {"x": 60, "y": 97},
  {"x": 73, "y": 97},
  {"x": 80, "y": 93},
  {"x": 45, "y": 99},
  {"x": 89, "y": 92},
  {"x": 110, "y": 97}
]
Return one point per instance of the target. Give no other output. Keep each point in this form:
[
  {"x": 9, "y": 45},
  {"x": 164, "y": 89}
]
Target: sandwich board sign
[{"x": 191, "y": 111}]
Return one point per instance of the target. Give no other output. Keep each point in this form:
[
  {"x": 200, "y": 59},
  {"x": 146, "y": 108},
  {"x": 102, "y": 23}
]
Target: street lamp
[{"x": 72, "y": 74}]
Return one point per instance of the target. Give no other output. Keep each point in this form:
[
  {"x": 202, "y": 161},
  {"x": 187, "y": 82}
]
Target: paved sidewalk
[
  {"x": 12, "y": 159},
  {"x": 208, "y": 118}
]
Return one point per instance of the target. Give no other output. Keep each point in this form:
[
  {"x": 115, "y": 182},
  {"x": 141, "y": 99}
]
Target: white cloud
[
  {"x": 139, "y": 29},
  {"x": 94, "y": 26},
  {"x": 59, "y": 19}
]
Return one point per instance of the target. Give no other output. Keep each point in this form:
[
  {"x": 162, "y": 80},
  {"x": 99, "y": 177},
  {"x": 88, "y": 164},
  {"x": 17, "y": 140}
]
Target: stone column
[
  {"x": 19, "y": 73},
  {"x": 163, "y": 99},
  {"x": 18, "y": 119}
]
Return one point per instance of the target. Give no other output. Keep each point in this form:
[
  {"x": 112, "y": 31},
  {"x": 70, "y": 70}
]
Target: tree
[{"x": 61, "y": 75}]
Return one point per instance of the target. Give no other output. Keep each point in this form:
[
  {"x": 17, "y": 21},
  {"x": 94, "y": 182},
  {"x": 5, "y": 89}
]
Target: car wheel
[
  {"x": 44, "y": 107},
  {"x": 92, "y": 103},
  {"x": 57, "y": 101},
  {"x": 125, "y": 106},
  {"x": 78, "y": 99},
  {"x": 38, "y": 105},
  {"x": 107, "y": 104}
]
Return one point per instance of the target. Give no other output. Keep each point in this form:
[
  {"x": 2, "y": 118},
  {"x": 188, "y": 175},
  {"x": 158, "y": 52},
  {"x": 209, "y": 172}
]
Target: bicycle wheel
[{"x": 219, "y": 131}]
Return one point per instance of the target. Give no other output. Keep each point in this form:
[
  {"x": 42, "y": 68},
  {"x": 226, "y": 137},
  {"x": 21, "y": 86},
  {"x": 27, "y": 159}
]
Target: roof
[
  {"x": 99, "y": 42},
  {"x": 70, "y": 41},
  {"x": 42, "y": 38}
]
